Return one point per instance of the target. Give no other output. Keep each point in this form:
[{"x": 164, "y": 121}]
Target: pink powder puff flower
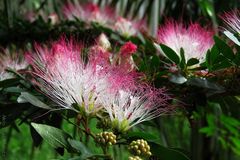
[
  {"x": 63, "y": 75},
  {"x": 124, "y": 58},
  {"x": 232, "y": 20},
  {"x": 194, "y": 39},
  {"x": 89, "y": 12},
  {"x": 127, "y": 27},
  {"x": 128, "y": 49},
  {"x": 13, "y": 61},
  {"x": 129, "y": 107}
]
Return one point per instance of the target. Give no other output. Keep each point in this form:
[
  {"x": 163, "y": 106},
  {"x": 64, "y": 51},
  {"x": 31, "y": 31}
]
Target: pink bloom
[
  {"x": 129, "y": 107},
  {"x": 89, "y": 12},
  {"x": 62, "y": 74},
  {"x": 194, "y": 39},
  {"x": 125, "y": 59},
  {"x": 12, "y": 61},
  {"x": 128, "y": 49},
  {"x": 128, "y": 27},
  {"x": 232, "y": 20}
]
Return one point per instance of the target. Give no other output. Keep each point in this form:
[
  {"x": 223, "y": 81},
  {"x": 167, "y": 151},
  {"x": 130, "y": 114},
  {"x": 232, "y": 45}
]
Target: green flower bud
[
  {"x": 106, "y": 138},
  {"x": 140, "y": 147}
]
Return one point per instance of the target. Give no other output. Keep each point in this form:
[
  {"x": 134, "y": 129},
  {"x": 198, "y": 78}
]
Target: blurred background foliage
[{"x": 207, "y": 127}]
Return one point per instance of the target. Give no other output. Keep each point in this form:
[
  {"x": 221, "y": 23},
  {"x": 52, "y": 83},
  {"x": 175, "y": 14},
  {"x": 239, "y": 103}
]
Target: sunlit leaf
[
  {"x": 27, "y": 97},
  {"x": 171, "y": 54},
  {"x": 54, "y": 136}
]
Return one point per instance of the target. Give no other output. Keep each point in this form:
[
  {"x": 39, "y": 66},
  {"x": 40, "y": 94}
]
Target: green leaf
[
  {"x": 214, "y": 53},
  {"x": 81, "y": 148},
  {"x": 236, "y": 141},
  {"x": 183, "y": 60},
  {"x": 204, "y": 83},
  {"x": 54, "y": 136},
  {"x": 192, "y": 62},
  {"x": 27, "y": 97},
  {"x": 212, "y": 56},
  {"x": 221, "y": 64},
  {"x": 232, "y": 37},
  {"x": 171, "y": 54},
  {"x": 14, "y": 90},
  {"x": 162, "y": 152},
  {"x": 9, "y": 82},
  {"x": 154, "y": 62},
  {"x": 177, "y": 78},
  {"x": 230, "y": 121},
  {"x": 224, "y": 48},
  {"x": 207, "y": 130}
]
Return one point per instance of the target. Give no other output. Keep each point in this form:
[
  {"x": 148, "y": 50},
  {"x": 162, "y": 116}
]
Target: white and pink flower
[
  {"x": 89, "y": 12},
  {"x": 127, "y": 27},
  {"x": 62, "y": 74},
  {"x": 133, "y": 105},
  {"x": 194, "y": 39},
  {"x": 232, "y": 20},
  {"x": 12, "y": 61},
  {"x": 125, "y": 59}
]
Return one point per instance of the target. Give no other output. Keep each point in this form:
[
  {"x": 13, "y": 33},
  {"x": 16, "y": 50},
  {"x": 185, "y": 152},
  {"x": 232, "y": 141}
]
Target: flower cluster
[
  {"x": 104, "y": 16},
  {"x": 106, "y": 138},
  {"x": 12, "y": 61},
  {"x": 87, "y": 86},
  {"x": 194, "y": 40},
  {"x": 140, "y": 147}
]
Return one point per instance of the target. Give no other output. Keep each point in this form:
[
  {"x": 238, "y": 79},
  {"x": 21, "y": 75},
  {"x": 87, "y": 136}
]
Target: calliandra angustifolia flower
[
  {"x": 194, "y": 39},
  {"x": 129, "y": 107},
  {"x": 63, "y": 75},
  {"x": 124, "y": 58},
  {"x": 13, "y": 61},
  {"x": 89, "y": 12},
  {"x": 232, "y": 20},
  {"x": 127, "y": 27}
]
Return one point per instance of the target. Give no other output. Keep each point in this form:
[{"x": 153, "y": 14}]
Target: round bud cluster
[
  {"x": 104, "y": 123},
  {"x": 139, "y": 147},
  {"x": 106, "y": 138},
  {"x": 134, "y": 158}
]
